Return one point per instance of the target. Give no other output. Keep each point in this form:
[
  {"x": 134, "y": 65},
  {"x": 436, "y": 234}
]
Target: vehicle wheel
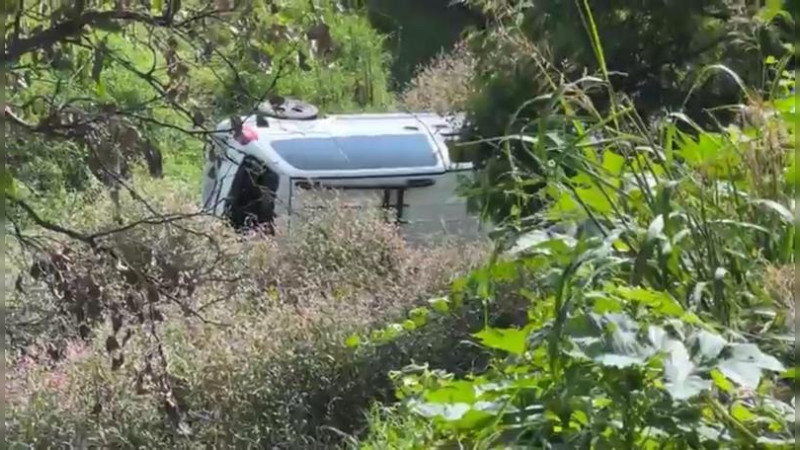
[{"x": 288, "y": 109}]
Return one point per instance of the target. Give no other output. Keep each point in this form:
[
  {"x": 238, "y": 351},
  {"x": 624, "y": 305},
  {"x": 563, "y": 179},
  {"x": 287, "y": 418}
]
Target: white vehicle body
[{"x": 397, "y": 161}]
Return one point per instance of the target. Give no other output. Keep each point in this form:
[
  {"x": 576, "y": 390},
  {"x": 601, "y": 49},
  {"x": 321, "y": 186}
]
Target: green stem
[{"x": 726, "y": 417}]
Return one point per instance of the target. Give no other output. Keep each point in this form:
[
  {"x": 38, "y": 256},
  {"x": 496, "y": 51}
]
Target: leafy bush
[
  {"x": 647, "y": 325},
  {"x": 174, "y": 84},
  {"x": 643, "y": 51},
  {"x": 253, "y": 350}
]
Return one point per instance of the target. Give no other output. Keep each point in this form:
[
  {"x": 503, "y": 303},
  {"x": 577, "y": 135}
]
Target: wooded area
[{"x": 636, "y": 158}]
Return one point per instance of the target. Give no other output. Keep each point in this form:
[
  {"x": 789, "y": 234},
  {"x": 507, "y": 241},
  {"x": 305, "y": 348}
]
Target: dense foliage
[
  {"x": 640, "y": 291},
  {"x": 654, "y": 53},
  {"x": 650, "y": 322},
  {"x": 157, "y": 78}
]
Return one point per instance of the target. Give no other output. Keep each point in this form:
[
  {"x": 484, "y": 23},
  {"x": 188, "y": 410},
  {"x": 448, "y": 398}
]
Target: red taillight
[{"x": 247, "y": 135}]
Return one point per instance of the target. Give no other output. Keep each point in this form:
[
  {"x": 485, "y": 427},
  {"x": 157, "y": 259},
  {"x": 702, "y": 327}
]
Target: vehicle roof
[
  {"x": 433, "y": 126},
  {"x": 343, "y": 124}
]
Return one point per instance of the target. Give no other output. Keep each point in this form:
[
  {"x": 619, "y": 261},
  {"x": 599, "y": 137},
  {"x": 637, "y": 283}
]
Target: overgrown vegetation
[
  {"x": 251, "y": 336},
  {"x": 639, "y": 293},
  {"x": 650, "y": 326}
]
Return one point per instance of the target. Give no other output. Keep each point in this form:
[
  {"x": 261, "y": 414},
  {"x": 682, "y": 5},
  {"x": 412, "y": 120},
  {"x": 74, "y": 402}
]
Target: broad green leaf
[
  {"x": 510, "y": 340},
  {"x": 409, "y": 325},
  {"x": 710, "y": 152},
  {"x": 603, "y": 305},
  {"x": 659, "y": 301},
  {"x": 158, "y": 6},
  {"x": 504, "y": 271},
  {"x": 474, "y": 419},
  {"x": 448, "y": 412},
  {"x": 707, "y": 345},
  {"x": 752, "y": 354},
  {"x": 682, "y": 383},
  {"x": 745, "y": 363},
  {"x": 564, "y": 207},
  {"x": 613, "y": 163},
  {"x": 453, "y": 392},
  {"x": 619, "y": 361},
  {"x": 594, "y": 199}
]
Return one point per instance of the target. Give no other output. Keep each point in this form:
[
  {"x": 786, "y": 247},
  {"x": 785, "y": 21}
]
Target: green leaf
[
  {"x": 449, "y": 412},
  {"x": 661, "y": 302},
  {"x": 419, "y": 316},
  {"x": 604, "y": 305},
  {"x": 100, "y": 88},
  {"x": 409, "y": 325},
  {"x": 353, "y": 341},
  {"x": 510, "y": 340},
  {"x": 741, "y": 413},
  {"x": 9, "y": 187},
  {"x": 157, "y": 6},
  {"x": 391, "y": 332},
  {"x": 474, "y": 419},
  {"x": 440, "y": 305},
  {"x": 771, "y": 9},
  {"x": 619, "y": 361},
  {"x": 745, "y": 363},
  {"x": 721, "y": 382},
  {"x": 613, "y": 163},
  {"x": 564, "y": 207},
  {"x": 453, "y": 392},
  {"x": 594, "y": 199},
  {"x": 707, "y": 345},
  {"x": 682, "y": 383}
]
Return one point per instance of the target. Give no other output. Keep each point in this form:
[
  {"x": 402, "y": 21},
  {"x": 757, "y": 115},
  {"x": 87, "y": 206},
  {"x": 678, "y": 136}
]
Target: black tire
[{"x": 288, "y": 109}]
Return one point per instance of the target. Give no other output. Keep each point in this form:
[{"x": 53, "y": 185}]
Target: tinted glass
[{"x": 357, "y": 152}]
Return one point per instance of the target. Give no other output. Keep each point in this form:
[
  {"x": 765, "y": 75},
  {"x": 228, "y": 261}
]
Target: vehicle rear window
[{"x": 357, "y": 152}]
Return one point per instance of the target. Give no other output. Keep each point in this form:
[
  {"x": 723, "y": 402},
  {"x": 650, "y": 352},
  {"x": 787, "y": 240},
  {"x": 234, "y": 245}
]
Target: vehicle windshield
[{"x": 357, "y": 152}]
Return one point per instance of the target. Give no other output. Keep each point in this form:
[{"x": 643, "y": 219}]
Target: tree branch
[{"x": 75, "y": 26}]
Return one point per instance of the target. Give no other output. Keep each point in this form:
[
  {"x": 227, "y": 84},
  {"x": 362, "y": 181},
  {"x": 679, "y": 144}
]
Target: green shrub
[{"x": 645, "y": 329}]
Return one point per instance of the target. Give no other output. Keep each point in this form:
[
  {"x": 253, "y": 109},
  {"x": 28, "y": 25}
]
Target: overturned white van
[{"x": 265, "y": 166}]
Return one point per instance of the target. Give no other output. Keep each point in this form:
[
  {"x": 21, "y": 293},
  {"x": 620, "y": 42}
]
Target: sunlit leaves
[
  {"x": 509, "y": 340},
  {"x": 711, "y": 154},
  {"x": 745, "y": 363},
  {"x": 660, "y": 302}
]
